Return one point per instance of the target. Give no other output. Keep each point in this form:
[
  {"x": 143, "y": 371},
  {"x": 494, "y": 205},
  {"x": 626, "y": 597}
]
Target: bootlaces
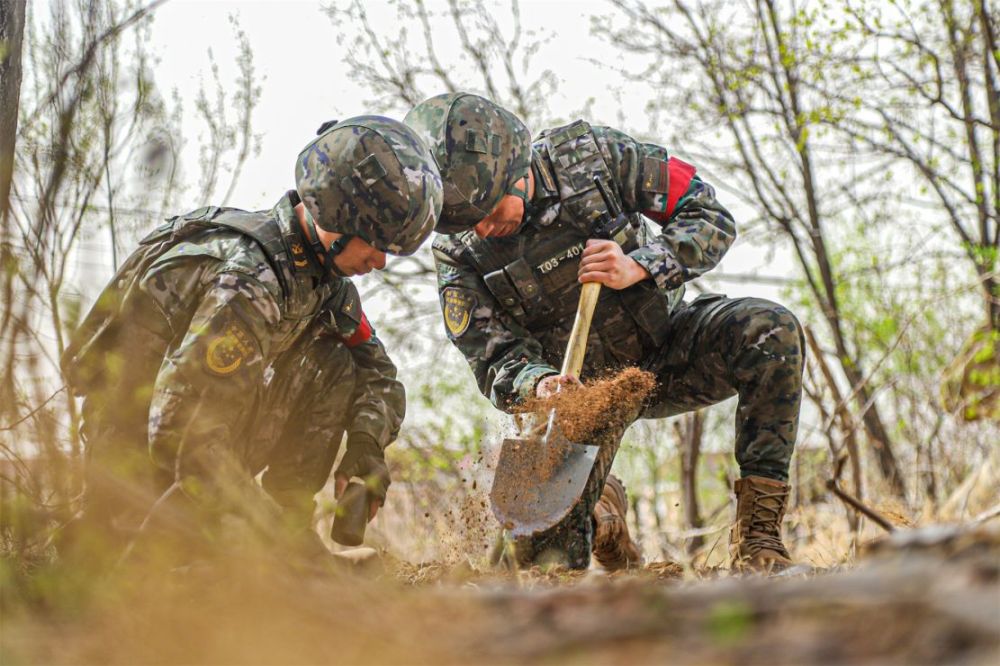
[
  {"x": 612, "y": 549},
  {"x": 765, "y": 529}
]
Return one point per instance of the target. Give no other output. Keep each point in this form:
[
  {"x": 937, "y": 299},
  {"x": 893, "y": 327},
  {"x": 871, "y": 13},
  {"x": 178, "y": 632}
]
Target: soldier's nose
[{"x": 378, "y": 260}]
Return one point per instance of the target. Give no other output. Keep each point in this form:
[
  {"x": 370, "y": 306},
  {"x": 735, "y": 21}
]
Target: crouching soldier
[
  {"x": 522, "y": 223},
  {"x": 231, "y": 342}
]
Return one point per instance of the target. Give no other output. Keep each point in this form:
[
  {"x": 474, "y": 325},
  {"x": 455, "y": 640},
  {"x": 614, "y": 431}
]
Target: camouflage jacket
[
  {"x": 182, "y": 339},
  {"x": 509, "y": 302}
]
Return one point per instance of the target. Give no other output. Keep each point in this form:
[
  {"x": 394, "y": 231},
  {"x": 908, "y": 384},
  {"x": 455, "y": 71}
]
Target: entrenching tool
[{"x": 539, "y": 478}]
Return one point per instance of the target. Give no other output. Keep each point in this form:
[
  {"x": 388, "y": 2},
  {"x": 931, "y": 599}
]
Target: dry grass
[
  {"x": 448, "y": 606},
  {"x": 266, "y": 610}
]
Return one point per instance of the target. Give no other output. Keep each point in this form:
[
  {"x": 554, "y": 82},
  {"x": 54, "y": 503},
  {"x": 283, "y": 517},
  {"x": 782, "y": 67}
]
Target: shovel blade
[{"x": 538, "y": 482}]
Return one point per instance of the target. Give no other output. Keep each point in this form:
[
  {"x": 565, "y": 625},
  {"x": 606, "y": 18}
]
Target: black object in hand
[{"x": 351, "y": 517}]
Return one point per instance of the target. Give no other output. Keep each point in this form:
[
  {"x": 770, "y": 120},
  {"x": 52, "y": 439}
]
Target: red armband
[
  {"x": 361, "y": 335},
  {"x": 680, "y": 175}
]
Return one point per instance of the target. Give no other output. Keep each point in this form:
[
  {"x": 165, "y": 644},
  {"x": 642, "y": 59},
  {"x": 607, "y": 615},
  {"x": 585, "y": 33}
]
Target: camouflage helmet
[
  {"x": 371, "y": 177},
  {"x": 480, "y": 148}
]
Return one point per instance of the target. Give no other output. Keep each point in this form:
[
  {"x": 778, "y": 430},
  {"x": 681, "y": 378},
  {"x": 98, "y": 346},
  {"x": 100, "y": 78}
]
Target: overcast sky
[{"x": 295, "y": 48}]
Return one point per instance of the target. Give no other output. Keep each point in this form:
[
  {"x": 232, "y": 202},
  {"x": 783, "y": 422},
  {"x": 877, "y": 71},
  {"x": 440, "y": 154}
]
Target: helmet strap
[
  {"x": 518, "y": 191},
  {"x": 324, "y": 255},
  {"x": 336, "y": 247},
  {"x": 529, "y": 212},
  {"x": 522, "y": 194}
]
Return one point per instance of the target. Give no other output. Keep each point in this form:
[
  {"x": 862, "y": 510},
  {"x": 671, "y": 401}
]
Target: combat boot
[
  {"x": 613, "y": 546},
  {"x": 755, "y": 540}
]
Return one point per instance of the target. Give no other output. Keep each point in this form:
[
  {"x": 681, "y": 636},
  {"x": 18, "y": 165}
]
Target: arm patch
[
  {"x": 671, "y": 177},
  {"x": 654, "y": 175},
  {"x": 457, "y": 305},
  {"x": 226, "y": 351}
]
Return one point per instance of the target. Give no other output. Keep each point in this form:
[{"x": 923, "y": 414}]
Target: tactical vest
[
  {"x": 533, "y": 274},
  {"x": 301, "y": 302},
  {"x": 81, "y": 362}
]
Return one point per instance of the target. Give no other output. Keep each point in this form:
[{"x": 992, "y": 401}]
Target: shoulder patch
[
  {"x": 457, "y": 304},
  {"x": 299, "y": 255},
  {"x": 228, "y": 350},
  {"x": 349, "y": 320},
  {"x": 655, "y": 175}
]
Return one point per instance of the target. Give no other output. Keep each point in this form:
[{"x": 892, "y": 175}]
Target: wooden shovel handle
[{"x": 576, "y": 348}]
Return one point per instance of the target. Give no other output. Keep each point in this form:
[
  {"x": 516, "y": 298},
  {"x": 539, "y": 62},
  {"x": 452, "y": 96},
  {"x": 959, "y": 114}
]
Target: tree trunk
[
  {"x": 846, "y": 421},
  {"x": 797, "y": 128},
  {"x": 879, "y": 438},
  {"x": 11, "y": 38},
  {"x": 690, "y": 434}
]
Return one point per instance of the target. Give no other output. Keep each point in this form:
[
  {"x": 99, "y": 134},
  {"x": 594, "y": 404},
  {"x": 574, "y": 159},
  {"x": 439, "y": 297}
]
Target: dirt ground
[{"x": 924, "y": 597}]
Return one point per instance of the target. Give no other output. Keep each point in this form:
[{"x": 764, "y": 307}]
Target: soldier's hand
[
  {"x": 364, "y": 459},
  {"x": 553, "y": 383},
  {"x": 603, "y": 261}
]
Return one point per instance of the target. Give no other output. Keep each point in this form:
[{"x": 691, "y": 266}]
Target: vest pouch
[
  {"x": 613, "y": 324},
  {"x": 627, "y": 238},
  {"x": 527, "y": 285},
  {"x": 576, "y": 159},
  {"x": 503, "y": 290},
  {"x": 650, "y": 310}
]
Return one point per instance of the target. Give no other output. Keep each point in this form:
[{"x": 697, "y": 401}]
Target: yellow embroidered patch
[
  {"x": 227, "y": 351},
  {"x": 298, "y": 255},
  {"x": 458, "y": 306}
]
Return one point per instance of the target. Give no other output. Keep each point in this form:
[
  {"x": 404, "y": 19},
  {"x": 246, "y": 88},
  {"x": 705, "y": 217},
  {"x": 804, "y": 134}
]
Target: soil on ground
[{"x": 920, "y": 597}]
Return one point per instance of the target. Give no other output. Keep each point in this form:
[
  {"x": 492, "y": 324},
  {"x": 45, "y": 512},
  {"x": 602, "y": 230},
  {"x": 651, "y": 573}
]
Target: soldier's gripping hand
[
  {"x": 603, "y": 261},
  {"x": 364, "y": 459}
]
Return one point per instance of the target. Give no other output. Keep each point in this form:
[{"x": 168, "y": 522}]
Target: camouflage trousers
[
  {"x": 293, "y": 436},
  {"x": 716, "y": 347}
]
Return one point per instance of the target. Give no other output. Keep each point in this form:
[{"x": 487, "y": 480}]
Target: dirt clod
[{"x": 601, "y": 405}]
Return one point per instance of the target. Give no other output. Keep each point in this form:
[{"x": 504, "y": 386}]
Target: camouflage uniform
[
  {"x": 509, "y": 302},
  {"x": 228, "y": 343},
  {"x": 221, "y": 347}
]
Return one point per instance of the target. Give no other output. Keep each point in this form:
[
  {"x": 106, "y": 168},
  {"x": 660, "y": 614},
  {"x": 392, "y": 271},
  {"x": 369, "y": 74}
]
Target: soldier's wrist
[
  {"x": 637, "y": 272},
  {"x": 365, "y": 443},
  {"x": 539, "y": 379},
  {"x": 662, "y": 267}
]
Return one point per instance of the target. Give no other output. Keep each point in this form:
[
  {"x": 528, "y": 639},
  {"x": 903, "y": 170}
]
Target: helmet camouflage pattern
[
  {"x": 371, "y": 177},
  {"x": 480, "y": 148}
]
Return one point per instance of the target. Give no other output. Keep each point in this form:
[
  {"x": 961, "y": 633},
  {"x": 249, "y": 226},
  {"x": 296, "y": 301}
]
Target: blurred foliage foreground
[
  {"x": 932, "y": 594},
  {"x": 255, "y": 596}
]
